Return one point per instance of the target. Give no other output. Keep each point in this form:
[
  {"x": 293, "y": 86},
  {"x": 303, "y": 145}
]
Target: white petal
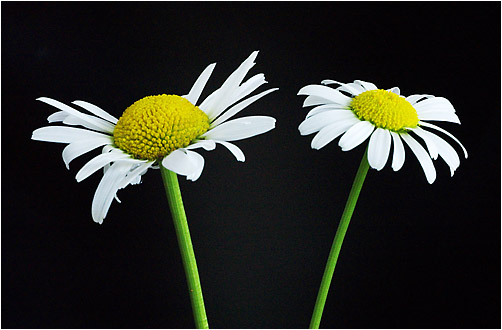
[
  {"x": 323, "y": 108},
  {"x": 101, "y": 160},
  {"x": 57, "y": 117},
  {"x": 356, "y": 135},
  {"x": 316, "y": 100},
  {"x": 206, "y": 144},
  {"x": 366, "y": 85},
  {"x": 431, "y": 146},
  {"x": 326, "y": 93},
  {"x": 331, "y": 132},
  {"x": 447, "y": 152},
  {"x": 198, "y": 162},
  {"x": 134, "y": 174},
  {"x": 107, "y": 189},
  {"x": 96, "y": 110},
  {"x": 247, "y": 87},
  {"x": 323, "y": 119},
  {"x": 219, "y": 101},
  {"x": 241, "y": 128},
  {"x": 78, "y": 148},
  {"x": 351, "y": 88},
  {"x": 379, "y": 148},
  {"x": 178, "y": 162},
  {"x": 238, "y": 107},
  {"x": 200, "y": 83},
  {"x": 438, "y": 115},
  {"x": 445, "y": 132},
  {"x": 329, "y": 82},
  {"x": 95, "y": 121},
  {"x": 417, "y": 97},
  {"x": 183, "y": 162},
  {"x": 436, "y": 108},
  {"x": 395, "y": 90},
  {"x": 61, "y": 134},
  {"x": 103, "y": 127},
  {"x": 398, "y": 154},
  {"x": 436, "y": 103},
  {"x": 236, "y": 151},
  {"x": 422, "y": 156}
]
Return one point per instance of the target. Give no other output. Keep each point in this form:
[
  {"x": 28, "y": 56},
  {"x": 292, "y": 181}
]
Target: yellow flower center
[
  {"x": 385, "y": 110},
  {"x": 154, "y": 126}
]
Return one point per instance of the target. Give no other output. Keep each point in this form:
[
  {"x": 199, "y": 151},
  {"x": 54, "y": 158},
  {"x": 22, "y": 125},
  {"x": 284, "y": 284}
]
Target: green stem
[
  {"x": 337, "y": 243},
  {"x": 185, "y": 243}
]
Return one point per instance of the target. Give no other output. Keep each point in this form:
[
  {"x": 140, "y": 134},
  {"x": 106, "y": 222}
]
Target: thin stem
[
  {"x": 337, "y": 243},
  {"x": 185, "y": 243}
]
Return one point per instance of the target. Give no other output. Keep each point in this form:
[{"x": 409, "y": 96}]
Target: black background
[{"x": 415, "y": 256}]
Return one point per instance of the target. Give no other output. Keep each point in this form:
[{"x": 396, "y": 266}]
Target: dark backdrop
[{"x": 416, "y": 255}]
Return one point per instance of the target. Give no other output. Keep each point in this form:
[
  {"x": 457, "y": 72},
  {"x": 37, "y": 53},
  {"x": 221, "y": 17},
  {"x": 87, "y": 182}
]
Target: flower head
[
  {"x": 157, "y": 130},
  {"x": 360, "y": 111}
]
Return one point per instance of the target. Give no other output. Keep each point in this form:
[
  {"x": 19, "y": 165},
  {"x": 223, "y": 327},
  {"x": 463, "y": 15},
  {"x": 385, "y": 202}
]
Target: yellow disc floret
[
  {"x": 154, "y": 126},
  {"x": 385, "y": 109}
]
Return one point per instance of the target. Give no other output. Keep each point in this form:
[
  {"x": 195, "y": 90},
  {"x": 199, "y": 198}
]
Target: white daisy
[
  {"x": 383, "y": 116},
  {"x": 157, "y": 130}
]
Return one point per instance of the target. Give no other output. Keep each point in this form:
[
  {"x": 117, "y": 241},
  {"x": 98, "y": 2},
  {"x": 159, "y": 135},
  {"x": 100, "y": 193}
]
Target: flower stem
[
  {"x": 185, "y": 243},
  {"x": 337, "y": 242}
]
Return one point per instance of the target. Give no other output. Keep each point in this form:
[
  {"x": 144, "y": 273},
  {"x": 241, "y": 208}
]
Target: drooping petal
[
  {"x": 107, "y": 190},
  {"x": 236, "y": 151},
  {"x": 101, "y": 160},
  {"x": 80, "y": 147},
  {"x": 323, "y": 119},
  {"x": 200, "y": 83},
  {"x": 423, "y": 157},
  {"x": 446, "y": 152},
  {"x": 331, "y": 132},
  {"x": 431, "y": 146},
  {"x": 327, "y": 93},
  {"x": 421, "y": 123},
  {"x": 356, "y": 135},
  {"x": 238, "y": 107},
  {"x": 379, "y": 148},
  {"x": 398, "y": 154},
  {"x": 62, "y": 134},
  {"x": 96, "y": 110},
  {"x": 241, "y": 128}
]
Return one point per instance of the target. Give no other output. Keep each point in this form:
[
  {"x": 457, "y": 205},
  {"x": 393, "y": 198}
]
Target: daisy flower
[
  {"x": 360, "y": 111},
  {"x": 160, "y": 130}
]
